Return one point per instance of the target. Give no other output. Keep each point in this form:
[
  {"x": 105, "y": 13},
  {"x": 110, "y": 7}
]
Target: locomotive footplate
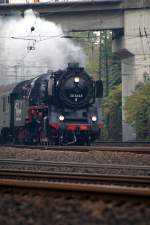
[
  {"x": 78, "y": 133},
  {"x": 80, "y": 127}
]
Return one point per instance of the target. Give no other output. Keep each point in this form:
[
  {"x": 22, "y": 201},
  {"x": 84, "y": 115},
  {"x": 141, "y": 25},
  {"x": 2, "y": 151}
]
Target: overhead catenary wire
[
  {"x": 69, "y": 36},
  {"x": 62, "y": 35}
]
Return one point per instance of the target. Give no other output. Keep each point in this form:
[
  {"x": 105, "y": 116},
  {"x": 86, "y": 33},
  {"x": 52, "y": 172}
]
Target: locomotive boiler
[{"x": 58, "y": 107}]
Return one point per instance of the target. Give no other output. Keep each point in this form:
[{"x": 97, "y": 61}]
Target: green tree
[
  {"x": 137, "y": 111},
  {"x": 112, "y": 110}
]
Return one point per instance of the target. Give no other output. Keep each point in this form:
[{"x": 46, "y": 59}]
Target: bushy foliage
[
  {"x": 137, "y": 111},
  {"x": 112, "y": 110}
]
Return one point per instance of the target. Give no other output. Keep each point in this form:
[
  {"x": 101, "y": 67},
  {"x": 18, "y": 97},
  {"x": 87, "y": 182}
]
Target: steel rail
[
  {"x": 98, "y": 183},
  {"x": 132, "y": 149},
  {"x": 41, "y": 175}
]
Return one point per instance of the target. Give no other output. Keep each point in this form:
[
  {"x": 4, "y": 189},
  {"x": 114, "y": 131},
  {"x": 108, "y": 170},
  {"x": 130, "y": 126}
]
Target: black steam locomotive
[{"x": 57, "y": 108}]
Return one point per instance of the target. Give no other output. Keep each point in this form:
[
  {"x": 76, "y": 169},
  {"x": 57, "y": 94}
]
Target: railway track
[
  {"x": 73, "y": 167},
  {"x": 82, "y": 182},
  {"x": 133, "y": 149},
  {"x": 77, "y": 181}
]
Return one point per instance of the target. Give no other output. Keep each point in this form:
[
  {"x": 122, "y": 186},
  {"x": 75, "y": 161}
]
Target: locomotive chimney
[{"x": 73, "y": 65}]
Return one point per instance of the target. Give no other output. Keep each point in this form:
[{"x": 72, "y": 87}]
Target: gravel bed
[
  {"x": 30, "y": 207},
  {"x": 104, "y": 157}
]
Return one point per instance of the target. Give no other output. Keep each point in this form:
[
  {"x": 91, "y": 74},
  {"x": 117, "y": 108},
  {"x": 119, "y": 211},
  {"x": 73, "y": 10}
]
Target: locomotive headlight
[
  {"x": 76, "y": 79},
  {"x": 61, "y": 118},
  {"x": 94, "y": 118}
]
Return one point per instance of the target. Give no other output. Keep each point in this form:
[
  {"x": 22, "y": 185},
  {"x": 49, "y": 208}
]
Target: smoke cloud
[{"x": 30, "y": 45}]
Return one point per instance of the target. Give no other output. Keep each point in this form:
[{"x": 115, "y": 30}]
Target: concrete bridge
[
  {"x": 81, "y": 16},
  {"x": 129, "y": 20}
]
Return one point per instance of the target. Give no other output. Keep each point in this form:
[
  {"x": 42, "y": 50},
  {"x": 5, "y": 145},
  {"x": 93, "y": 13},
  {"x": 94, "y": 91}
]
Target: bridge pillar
[{"x": 133, "y": 47}]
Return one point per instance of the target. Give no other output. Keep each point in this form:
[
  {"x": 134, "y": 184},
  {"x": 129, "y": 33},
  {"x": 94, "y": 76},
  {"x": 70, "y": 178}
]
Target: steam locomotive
[{"x": 58, "y": 108}]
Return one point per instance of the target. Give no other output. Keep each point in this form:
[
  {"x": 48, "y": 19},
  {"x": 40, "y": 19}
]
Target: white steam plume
[{"x": 31, "y": 45}]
